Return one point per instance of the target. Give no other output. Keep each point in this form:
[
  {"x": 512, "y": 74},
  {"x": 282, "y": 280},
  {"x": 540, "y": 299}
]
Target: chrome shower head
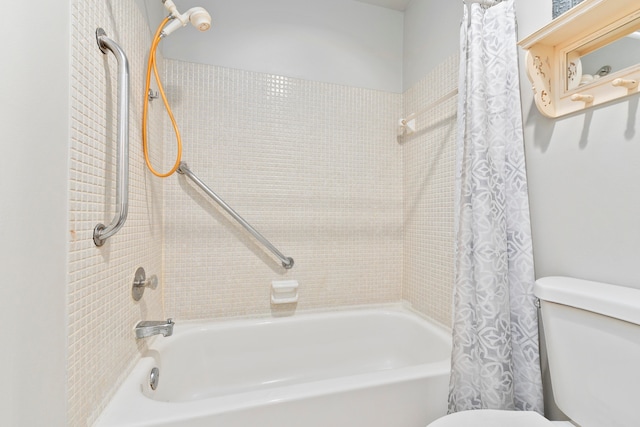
[{"x": 197, "y": 16}]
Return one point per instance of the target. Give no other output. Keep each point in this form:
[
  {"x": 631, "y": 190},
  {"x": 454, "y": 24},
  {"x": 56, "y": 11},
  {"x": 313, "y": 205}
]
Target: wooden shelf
[{"x": 553, "y": 53}]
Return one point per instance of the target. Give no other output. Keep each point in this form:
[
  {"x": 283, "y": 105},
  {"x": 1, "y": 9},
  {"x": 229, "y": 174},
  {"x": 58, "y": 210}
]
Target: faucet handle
[
  {"x": 140, "y": 282},
  {"x": 151, "y": 282}
]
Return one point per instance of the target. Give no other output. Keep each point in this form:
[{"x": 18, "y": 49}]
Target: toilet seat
[{"x": 492, "y": 418}]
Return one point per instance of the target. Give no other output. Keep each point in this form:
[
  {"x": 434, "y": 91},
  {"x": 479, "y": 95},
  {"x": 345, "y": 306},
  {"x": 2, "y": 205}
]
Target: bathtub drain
[{"x": 154, "y": 377}]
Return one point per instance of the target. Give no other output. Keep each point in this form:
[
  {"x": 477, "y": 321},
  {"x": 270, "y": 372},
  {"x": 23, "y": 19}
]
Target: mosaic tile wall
[
  {"x": 101, "y": 346},
  {"x": 429, "y": 174},
  {"x": 315, "y": 167}
]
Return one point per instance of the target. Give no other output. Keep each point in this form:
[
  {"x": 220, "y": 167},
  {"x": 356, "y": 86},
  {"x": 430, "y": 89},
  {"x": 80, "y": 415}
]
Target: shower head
[{"x": 198, "y": 17}]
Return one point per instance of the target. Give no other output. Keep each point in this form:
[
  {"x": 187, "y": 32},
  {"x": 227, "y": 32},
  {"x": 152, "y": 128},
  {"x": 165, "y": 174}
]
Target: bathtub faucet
[{"x": 148, "y": 328}]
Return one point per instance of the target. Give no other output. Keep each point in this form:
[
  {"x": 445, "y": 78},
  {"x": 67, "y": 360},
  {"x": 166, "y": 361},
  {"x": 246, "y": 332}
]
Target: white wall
[
  {"x": 34, "y": 94},
  {"x": 584, "y": 182},
  {"x": 431, "y": 35},
  {"x": 335, "y": 41}
]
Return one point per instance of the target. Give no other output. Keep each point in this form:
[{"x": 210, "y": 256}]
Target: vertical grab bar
[
  {"x": 287, "y": 262},
  {"x": 101, "y": 232}
]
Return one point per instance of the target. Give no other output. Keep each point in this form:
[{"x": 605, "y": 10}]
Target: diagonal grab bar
[
  {"x": 287, "y": 262},
  {"x": 101, "y": 232}
]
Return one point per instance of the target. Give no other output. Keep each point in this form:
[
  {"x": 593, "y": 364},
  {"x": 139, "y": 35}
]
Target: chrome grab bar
[
  {"x": 101, "y": 232},
  {"x": 287, "y": 262}
]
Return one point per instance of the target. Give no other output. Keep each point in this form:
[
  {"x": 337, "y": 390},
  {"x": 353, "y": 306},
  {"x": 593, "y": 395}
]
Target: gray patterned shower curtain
[{"x": 495, "y": 358}]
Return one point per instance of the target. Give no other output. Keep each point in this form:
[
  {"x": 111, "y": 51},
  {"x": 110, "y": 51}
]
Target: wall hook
[
  {"x": 629, "y": 84},
  {"x": 579, "y": 97}
]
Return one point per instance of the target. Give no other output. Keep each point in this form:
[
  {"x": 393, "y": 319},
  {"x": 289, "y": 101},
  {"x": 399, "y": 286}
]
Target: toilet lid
[{"x": 492, "y": 418}]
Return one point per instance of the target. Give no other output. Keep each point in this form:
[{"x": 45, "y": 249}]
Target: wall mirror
[
  {"x": 588, "y": 56},
  {"x": 608, "y": 54}
]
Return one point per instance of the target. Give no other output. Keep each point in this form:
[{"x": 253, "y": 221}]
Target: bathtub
[{"x": 362, "y": 368}]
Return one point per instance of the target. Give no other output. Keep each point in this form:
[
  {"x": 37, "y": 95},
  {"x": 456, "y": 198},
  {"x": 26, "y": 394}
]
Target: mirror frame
[{"x": 592, "y": 21}]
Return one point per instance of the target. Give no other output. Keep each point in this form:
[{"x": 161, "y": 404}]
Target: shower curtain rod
[
  {"x": 287, "y": 262},
  {"x": 434, "y": 104}
]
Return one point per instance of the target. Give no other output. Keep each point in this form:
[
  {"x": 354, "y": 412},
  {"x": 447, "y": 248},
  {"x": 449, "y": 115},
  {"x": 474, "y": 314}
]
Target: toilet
[{"x": 592, "y": 332}]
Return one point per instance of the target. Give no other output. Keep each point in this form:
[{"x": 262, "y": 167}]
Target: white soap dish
[{"x": 284, "y": 291}]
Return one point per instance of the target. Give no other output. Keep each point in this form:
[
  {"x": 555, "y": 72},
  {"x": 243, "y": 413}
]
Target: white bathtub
[{"x": 362, "y": 368}]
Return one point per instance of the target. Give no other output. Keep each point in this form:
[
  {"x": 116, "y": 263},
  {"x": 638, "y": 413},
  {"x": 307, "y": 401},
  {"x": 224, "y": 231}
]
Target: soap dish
[{"x": 284, "y": 291}]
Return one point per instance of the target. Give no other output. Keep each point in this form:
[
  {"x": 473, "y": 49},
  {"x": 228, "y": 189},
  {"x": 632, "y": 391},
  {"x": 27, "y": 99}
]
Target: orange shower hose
[{"x": 145, "y": 109}]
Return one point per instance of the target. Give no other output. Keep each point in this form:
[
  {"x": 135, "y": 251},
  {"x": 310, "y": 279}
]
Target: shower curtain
[{"x": 495, "y": 358}]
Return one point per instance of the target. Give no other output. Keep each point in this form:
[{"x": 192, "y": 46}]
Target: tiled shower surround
[
  {"x": 101, "y": 312},
  {"x": 320, "y": 170},
  {"x": 317, "y": 168},
  {"x": 429, "y": 178}
]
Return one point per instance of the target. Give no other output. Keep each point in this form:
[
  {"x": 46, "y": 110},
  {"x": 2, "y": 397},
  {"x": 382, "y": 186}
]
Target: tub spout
[{"x": 149, "y": 328}]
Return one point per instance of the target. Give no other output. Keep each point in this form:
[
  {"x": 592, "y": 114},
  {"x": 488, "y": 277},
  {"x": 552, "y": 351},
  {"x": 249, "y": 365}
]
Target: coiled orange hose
[{"x": 145, "y": 109}]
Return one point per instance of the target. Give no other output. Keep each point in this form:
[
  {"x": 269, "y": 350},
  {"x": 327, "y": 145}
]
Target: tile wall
[
  {"x": 101, "y": 311},
  {"x": 428, "y": 182},
  {"x": 315, "y": 167}
]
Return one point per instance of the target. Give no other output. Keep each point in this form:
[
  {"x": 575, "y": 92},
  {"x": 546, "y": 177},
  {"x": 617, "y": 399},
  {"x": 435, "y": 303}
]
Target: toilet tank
[{"x": 592, "y": 332}]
